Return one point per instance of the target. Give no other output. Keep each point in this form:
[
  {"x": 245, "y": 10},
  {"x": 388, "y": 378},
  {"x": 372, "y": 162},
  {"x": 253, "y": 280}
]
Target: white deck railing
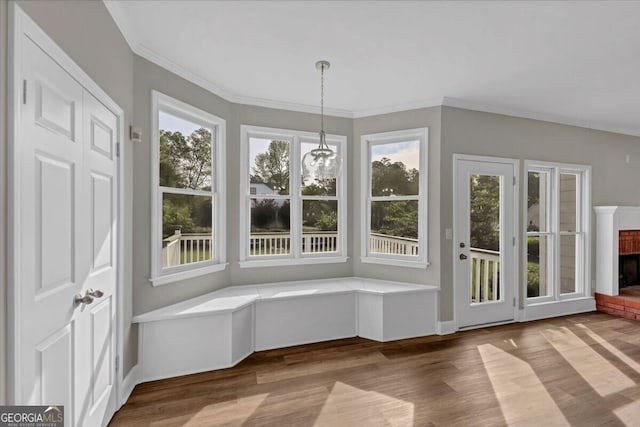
[
  {"x": 485, "y": 272},
  {"x": 382, "y": 243},
  {"x": 186, "y": 248}
]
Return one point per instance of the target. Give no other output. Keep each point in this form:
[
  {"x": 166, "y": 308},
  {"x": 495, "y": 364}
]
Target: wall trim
[
  {"x": 558, "y": 308},
  {"x": 131, "y": 380},
  {"x": 446, "y": 327},
  {"x": 535, "y": 115}
]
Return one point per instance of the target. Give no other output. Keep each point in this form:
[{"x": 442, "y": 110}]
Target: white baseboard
[
  {"x": 558, "y": 308},
  {"x": 447, "y": 327},
  {"x": 129, "y": 383}
]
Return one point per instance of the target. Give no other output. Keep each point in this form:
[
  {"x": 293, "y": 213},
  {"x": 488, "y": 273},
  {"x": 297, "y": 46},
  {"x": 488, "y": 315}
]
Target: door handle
[
  {"x": 96, "y": 294},
  {"x": 88, "y": 297},
  {"x": 463, "y": 257},
  {"x": 79, "y": 299}
]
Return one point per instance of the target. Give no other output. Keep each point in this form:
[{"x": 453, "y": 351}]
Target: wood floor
[{"x": 581, "y": 370}]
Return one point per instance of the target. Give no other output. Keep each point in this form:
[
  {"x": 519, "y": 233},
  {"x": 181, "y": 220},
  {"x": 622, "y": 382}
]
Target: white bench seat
[{"x": 218, "y": 329}]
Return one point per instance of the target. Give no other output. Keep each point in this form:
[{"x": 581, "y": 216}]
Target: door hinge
[
  {"x": 117, "y": 363},
  {"x": 514, "y": 180},
  {"x": 24, "y": 91},
  {"x": 514, "y": 240},
  {"x": 117, "y": 149},
  {"x": 514, "y": 301}
]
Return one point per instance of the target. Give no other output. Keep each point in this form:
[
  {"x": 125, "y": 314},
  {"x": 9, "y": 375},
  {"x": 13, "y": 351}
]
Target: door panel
[
  {"x": 485, "y": 252},
  {"x": 67, "y": 243}
]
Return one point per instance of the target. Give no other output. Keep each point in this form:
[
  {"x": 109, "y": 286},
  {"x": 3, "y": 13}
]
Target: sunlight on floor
[
  {"x": 601, "y": 375},
  {"x": 629, "y": 414},
  {"x": 523, "y": 398},
  {"x": 234, "y": 412},
  {"x": 620, "y": 355},
  {"x": 346, "y": 404}
]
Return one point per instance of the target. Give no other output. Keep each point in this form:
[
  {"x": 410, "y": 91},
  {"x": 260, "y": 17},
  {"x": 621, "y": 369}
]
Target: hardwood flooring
[{"x": 581, "y": 370}]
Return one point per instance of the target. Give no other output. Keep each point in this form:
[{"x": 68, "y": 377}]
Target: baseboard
[
  {"x": 558, "y": 308},
  {"x": 129, "y": 383},
  {"x": 446, "y": 327}
]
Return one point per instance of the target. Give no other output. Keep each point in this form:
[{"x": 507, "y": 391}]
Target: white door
[
  {"x": 484, "y": 246},
  {"x": 67, "y": 242}
]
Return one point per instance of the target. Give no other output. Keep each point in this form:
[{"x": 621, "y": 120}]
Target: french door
[
  {"x": 485, "y": 253},
  {"x": 66, "y": 243}
]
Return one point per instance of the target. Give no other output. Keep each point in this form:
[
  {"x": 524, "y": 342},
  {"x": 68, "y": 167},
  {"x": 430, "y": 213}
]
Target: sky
[
  {"x": 172, "y": 123},
  {"x": 406, "y": 152}
]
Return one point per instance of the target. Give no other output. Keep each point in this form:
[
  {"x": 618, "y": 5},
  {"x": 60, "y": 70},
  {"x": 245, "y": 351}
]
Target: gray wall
[
  {"x": 3, "y": 197},
  {"x": 424, "y": 117},
  {"x": 614, "y": 182},
  {"x": 148, "y": 76},
  {"x": 87, "y": 33}
]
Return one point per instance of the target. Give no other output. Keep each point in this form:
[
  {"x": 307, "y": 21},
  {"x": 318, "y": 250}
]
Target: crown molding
[
  {"x": 435, "y": 102},
  {"x": 133, "y": 40},
  {"x": 534, "y": 115},
  {"x": 122, "y": 22}
]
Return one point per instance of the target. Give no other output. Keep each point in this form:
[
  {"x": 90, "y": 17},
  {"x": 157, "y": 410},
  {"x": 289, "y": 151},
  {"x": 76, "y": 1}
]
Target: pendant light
[{"x": 322, "y": 162}]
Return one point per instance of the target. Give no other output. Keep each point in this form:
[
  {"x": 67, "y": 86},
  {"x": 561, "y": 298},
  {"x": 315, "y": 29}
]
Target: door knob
[
  {"x": 463, "y": 257},
  {"x": 79, "y": 299},
  {"x": 462, "y": 244},
  {"x": 96, "y": 294}
]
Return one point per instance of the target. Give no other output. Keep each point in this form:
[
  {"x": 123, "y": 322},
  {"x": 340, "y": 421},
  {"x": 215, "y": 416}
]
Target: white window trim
[
  {"x": 295, "y": 257},
  {"x": 422, "y": 260},
  {"x": 583, "y": 267},
  {"x": 160, "y": 276}
]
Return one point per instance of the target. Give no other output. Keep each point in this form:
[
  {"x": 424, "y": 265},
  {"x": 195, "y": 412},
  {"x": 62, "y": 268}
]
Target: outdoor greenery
[
  {"x": 485, "y": 212},
  {"x": 394, "y": 217},
  {"x": 185, "y": 162}
]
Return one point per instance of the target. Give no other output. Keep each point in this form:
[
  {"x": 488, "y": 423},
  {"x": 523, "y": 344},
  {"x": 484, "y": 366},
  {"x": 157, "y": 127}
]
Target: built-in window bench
[{"x": 219, "y": 329}]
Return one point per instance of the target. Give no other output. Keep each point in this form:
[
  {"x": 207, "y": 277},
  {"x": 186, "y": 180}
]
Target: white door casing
[
  {"x": 66, "y": 238},
  {"x": 481, "y": 296}
]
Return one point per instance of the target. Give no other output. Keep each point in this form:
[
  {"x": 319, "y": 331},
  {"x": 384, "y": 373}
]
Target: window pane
[
  {"x": 395, "y": 168},
  {"x": 186, "y": 229},
  {"x": 568, "y": 257},
  {"x": 538, "y": 266},
  {"x": 484, "y": 202},
  {"x": 394, "y": 227},
  {"x": 538, "y": 201},
  {"x": 317, "y": 187},
  {"x": 185, "y": 153},
  {"x": 270, "y": 227},
  {"x": 269, "y": 166},
  {"x": 568, "y": 205},
  {"x": 319, "y": 226}
]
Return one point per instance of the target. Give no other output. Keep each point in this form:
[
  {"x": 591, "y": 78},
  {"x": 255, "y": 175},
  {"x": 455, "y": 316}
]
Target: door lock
[{"x": 463, "y": 257}]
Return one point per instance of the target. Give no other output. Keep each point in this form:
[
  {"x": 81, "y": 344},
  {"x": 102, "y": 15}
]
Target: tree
[
  {"x": 485, "y": 212},
  {"x": 185, "y": 162},
  {"x": 272, "y": 166},
  {"x": 395, "y": 218}
]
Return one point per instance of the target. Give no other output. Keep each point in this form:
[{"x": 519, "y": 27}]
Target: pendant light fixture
[{"x": 322, "y": 162}]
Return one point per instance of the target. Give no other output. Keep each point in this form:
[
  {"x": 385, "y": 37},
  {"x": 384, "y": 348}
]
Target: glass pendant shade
[{"x": 321, "y": 163}]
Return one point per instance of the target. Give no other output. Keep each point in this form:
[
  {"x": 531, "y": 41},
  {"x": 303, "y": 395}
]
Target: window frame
[
  {"x": 366, "y": 141},
  {"x": 554, "y": 233},
  {"x": 295, "y": 256},
  {"x": 217, "y": 125}
]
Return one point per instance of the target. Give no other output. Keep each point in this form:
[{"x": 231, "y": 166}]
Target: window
[
  {"x": 287, "y": 220},
  {"x": 394, "y": 198},
  {"x": 188, "y": 224},
  {"x": 557, "y": 227}
]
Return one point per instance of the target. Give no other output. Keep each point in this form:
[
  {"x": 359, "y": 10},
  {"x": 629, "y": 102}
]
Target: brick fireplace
[{"x": 618, "y": 260}]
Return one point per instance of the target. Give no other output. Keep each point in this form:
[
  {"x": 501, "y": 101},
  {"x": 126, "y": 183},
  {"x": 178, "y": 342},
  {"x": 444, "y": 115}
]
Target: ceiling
[{"x": 570, "y": 62}]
